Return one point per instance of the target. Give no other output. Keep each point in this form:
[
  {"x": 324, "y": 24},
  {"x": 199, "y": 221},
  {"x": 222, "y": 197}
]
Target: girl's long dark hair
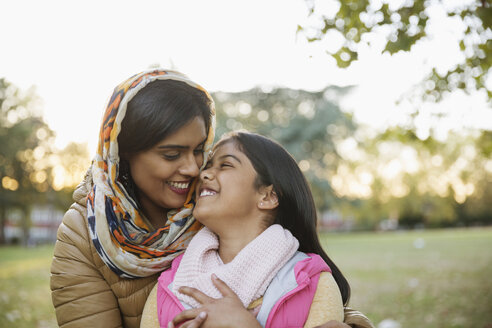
[{"x": 296, "y": 210}]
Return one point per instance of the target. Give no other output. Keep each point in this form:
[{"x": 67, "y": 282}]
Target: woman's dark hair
[
  {"x": 296, "y": 211},
  {"x": 159, "y": 109}
]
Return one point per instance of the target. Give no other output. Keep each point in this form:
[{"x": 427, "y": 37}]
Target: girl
[
  {"x": 132, "y": 212},
  {"x": 259, "y": 239}
]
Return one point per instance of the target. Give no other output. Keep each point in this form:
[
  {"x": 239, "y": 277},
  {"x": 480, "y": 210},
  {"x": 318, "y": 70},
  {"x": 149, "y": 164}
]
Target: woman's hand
[
  {"x": 227, "y": 311},
  {"x": 333, "y": 324}
]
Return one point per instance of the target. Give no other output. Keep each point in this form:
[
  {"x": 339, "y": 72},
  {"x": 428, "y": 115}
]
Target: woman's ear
[{"x": 268, "y": 198}]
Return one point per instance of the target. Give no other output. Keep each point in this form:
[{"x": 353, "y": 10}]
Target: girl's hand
[{"x": 227, "y": 311}]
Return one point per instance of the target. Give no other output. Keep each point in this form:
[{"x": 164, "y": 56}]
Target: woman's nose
[{"x": 190, "y": 167}]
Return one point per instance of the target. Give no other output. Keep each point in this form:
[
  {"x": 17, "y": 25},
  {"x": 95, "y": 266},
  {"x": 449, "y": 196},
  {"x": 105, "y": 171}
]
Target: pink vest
[{"x": 286, "y": 301}]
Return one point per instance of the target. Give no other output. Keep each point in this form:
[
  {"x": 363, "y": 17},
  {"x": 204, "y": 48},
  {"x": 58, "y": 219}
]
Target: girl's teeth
[{"x": 207, "y": 193}]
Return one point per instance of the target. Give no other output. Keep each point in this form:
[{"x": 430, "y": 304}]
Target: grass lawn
[
  {"x": 438, "y": 278},
  {"x": 25, "y": 298}
]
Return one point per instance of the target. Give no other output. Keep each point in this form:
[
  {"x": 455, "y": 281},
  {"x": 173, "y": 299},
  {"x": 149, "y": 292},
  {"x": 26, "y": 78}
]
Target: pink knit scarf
[{"x": 248, "y": 274}]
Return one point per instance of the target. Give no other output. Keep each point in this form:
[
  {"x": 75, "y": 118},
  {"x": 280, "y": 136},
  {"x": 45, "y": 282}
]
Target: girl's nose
[{"x": 206, "y": 174}]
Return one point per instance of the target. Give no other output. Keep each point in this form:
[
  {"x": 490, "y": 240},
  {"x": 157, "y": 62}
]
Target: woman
[
  {"x": 131, "y": 214},
  {"x": 132, "y": 211}
]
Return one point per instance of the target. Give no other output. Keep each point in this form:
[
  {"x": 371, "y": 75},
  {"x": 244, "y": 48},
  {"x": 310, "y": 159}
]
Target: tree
[
  {"x": 477, "y": 209},
  {"x": 307, "y": 124},
  {"x": 25, "y": 141},
  {"x": 69, "y": 167},
  {"x": 367, "y": 175},
  {"x": 405, "y": 24},
  {"x": 428, "y": 182}
]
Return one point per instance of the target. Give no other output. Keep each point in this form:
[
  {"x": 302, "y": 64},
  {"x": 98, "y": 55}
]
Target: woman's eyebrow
[
  {"x": 172, "y": 147},
  {"x": 203, "y": 142}
]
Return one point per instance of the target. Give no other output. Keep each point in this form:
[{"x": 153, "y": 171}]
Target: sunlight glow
[{"x": 9, "y": 183}]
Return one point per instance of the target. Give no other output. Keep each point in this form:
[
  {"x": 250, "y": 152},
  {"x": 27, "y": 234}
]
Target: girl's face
[
  {"x": 226, "y": 190},
  {"x": 163, "y": 174}
]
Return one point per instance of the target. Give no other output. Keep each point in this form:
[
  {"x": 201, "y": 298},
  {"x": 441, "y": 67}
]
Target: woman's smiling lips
[{"x": 180, "y": 188}]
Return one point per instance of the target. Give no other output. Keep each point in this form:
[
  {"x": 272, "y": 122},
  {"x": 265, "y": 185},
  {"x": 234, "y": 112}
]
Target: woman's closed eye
[{"x": 171, "y": 156}]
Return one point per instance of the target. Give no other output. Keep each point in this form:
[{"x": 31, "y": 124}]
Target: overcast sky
[{"x": 75, "y": 52}]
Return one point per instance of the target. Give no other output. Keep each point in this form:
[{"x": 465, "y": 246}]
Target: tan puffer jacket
[{"x": 86, "y": 293}]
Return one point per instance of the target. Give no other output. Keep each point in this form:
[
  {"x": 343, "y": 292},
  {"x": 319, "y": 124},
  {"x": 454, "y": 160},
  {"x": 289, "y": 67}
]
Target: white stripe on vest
[{"x": 282, "y": 283}]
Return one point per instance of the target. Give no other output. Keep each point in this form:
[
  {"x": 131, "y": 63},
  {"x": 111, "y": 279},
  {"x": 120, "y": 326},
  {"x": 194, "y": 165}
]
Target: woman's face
[
  {"x": 163, "y": 174},
  {"x": 226, "y": 190}
]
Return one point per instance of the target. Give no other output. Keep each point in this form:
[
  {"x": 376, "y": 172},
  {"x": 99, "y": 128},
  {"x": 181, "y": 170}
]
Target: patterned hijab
[{"x": 119, "y": 231}]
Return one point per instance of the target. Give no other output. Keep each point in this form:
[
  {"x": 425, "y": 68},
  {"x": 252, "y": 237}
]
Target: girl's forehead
[
  {"x": 230, "y": 144},
  {"x": 229, "y": 149}
]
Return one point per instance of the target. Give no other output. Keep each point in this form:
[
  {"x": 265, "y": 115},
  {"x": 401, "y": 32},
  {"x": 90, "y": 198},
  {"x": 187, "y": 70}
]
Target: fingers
[
  {"x": 195, "y": 323},
  {"x": 185, "y": 315},
  {"x": 225, "y": 290},
  {"x": 196, "y": 294}
]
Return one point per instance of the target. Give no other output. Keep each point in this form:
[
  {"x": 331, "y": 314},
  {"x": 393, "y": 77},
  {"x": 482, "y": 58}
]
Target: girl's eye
[{"x": 225, "y": 164}]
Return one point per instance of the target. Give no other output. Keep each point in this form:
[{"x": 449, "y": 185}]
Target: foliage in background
[
  {"x": 404, "y": 23},
  {"x": 25, "y": 141},
  {"x": 308, "y": 124},
  {"x": 364, "y": 176},
  {"x": 423, "y": 182},
  {"x": 358, "y": 174},
  {"x": 394, "y": 174},
  {"x": 30, "y": 167}
]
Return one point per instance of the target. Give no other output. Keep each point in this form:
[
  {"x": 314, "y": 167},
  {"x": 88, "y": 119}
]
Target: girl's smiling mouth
[{"x": 204, "y": 192}]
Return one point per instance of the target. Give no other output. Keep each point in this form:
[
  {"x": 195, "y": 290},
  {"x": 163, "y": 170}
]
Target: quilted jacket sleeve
[
  {"x": 81, "y": 296},
  {"x": 356, "y": 319}
]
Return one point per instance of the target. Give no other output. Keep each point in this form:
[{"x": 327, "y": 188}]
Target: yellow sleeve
[
  {"x": 149, "y": 315},
  {"x": 327, "y": 302}
]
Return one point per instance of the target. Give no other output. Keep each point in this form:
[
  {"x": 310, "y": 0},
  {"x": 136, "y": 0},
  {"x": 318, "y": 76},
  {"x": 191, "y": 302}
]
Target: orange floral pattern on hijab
[{"x": 120, "y": 235}]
